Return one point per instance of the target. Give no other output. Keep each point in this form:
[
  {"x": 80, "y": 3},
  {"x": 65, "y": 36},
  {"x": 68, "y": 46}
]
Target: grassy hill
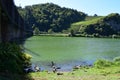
[
  {"x": 98, "y": 25},
  {"x": 88, "y": 21},
  {"x": 78, "y": 26}
]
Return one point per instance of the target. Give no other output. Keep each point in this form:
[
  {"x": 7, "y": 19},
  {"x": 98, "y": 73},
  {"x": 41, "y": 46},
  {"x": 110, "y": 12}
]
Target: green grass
[
  {"x": 78, "y": 26},
  {"x": 89, "y": 20},
  {"x": 108, "y": 73},
  {"x": 92, "y": 17},
  {"x": 55, "y": 35}
]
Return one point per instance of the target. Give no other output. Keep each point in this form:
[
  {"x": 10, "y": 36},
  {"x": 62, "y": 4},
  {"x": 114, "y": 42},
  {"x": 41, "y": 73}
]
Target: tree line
[{"x": 50, "y": 17}]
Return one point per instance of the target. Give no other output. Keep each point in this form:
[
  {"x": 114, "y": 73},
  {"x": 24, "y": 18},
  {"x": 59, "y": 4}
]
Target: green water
[{"x": 70, "y": 51}]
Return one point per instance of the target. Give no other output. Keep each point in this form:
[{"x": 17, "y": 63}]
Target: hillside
[
  {"x": 50, "y": 17},
  {"x": 100, "y": 25}
]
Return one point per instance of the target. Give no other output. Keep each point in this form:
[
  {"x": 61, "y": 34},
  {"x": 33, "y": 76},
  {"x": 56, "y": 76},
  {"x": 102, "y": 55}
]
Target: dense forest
[{"x": 50, "y": 17}]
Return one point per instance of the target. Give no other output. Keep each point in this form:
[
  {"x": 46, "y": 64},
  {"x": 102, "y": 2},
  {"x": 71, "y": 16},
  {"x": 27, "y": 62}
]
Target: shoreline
[
  {"x": 98, "y": 64},
  {"x": 78, "y": 35},
  {"x": 107, "y": 73}
]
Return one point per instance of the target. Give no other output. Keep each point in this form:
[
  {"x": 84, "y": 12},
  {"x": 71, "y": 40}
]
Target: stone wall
[{"x": 11, "y": 24}]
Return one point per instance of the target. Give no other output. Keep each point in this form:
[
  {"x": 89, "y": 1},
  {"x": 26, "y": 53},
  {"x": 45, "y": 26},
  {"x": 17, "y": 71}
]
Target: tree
[
  {"x": 36, "y": 31},
  {"x": 50, "y": 31},
  {"x": 72, "y": 33},
  {"x": 95, "y": 15}
]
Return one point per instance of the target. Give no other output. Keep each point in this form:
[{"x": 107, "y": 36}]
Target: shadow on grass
[{"x": 11, "y": 76}]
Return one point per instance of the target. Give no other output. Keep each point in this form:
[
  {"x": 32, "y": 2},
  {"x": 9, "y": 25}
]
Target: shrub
[
  {"x": 12, "y": 58},
  {"x": 102, "y": 63},
  {"x": 26, "y": 58},
  {"x": 117, "y": 60}
]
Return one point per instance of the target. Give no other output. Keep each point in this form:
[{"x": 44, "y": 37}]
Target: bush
[
  {"x": 102, "y": 63},
  {"x": 12, "y": 58},
  {"x": 117, "y": 60},
  {"x": 26, "y": 58}
]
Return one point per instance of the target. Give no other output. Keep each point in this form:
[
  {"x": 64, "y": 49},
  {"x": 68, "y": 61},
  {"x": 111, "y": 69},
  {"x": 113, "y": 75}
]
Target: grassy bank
[
  {"x": 54, "y": 35},
  {"x": 78, "y": 35},
  {"x": 101, "y": 70},
  {"x": 109, "y": 73}
]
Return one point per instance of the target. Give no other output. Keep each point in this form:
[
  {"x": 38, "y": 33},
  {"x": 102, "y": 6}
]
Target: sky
[{"x": 90, "y": 7}]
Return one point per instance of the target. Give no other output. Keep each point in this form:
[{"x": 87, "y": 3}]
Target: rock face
[{"x": 12, "y": 25}]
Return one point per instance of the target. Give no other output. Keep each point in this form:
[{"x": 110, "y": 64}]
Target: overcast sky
[{"x": 91, "y": 7}]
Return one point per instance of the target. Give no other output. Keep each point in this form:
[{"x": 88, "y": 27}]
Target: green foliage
[
  {"x": 102, "y": 63},
  {"x": 113, "y": 16},
  {"x": 102, "y": 26},
  {"x": 117, "y": 60},
  {"x": 12, "y": 59},
  {"x": 72, "y": 33},
  {"x": 36, "y": 31},
  {"x": 85, "y": 26},
  {"x": 50, "y": 16},
  {"x": 50, "y": 31}
]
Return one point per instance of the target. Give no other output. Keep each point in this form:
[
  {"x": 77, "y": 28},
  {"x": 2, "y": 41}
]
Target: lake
[{"x": 67, "y": 52}]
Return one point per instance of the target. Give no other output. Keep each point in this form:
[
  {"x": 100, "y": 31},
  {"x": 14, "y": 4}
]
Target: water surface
[{"x": 69, "y": 51}]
